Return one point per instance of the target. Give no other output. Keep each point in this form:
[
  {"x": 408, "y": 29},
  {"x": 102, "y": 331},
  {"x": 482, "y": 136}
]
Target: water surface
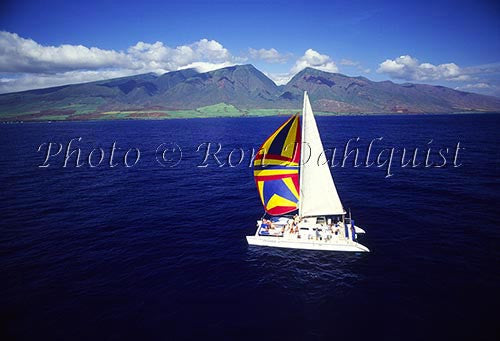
[{"x": 160, "y": 253}]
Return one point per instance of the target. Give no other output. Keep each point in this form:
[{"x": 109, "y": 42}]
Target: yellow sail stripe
[
  {"x": 268, "y": 172},
  {"x": 291, "y": 186},
  {"x": 276, "y": 201},
  {"x": 291, "y": 138}
]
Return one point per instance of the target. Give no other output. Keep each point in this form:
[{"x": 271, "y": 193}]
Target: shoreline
[{"x": 320, "y": 114}]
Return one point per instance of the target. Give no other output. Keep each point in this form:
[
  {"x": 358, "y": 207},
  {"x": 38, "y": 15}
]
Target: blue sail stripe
[{"x": 278, "y": 187}]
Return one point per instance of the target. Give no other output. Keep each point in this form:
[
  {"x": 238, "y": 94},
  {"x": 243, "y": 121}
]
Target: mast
[{"x": 303, "y": 121}]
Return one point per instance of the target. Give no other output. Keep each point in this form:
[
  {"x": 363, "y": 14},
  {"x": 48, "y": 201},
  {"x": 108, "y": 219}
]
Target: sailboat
[{"x": 302, "y": 207}]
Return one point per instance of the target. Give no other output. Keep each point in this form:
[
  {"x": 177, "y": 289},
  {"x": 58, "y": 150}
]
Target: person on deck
[
  {"x": 265, "y": 224},
  {"x": 271, "y": 225},
  {"x": 289, "y": 226}
]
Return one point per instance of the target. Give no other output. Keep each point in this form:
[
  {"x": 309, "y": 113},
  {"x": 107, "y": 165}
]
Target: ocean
[{"x": 150, "y": 243}]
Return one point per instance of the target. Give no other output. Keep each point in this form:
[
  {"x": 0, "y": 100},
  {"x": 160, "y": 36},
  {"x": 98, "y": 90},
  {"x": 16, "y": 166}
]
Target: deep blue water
[{"x": 156, "y": 252}]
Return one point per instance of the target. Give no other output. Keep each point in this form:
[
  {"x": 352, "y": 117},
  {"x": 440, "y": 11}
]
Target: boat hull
[
  {"x": 359, "y": 230},
  {"x": 349, "y": 246}
]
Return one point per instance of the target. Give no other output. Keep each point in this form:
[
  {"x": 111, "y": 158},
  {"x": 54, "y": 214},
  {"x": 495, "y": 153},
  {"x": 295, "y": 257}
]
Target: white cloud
[
  {"x": 354, "y": 64},
  {"x": 157, "y": 57},
  {"x": 25, "y": 55},
  {"x": 314, "y": 59},
  {"x": 270, "y": 55},
  {"x": 481, "y": 70},
  {"x": 279, "y": 78},
  {"x": 40, "y": 80},
  {"x": 311, "y": 58},
  {"x": 206, "y": 67},
  {"x": 18, "y": 54},
  {"x": 211, "y": 50},
  {"x": 27, "y": 64},
  {"x": 348, "y": 62},
  {"x": 409, "y": 68},
  {"x": 484, "y": 88},
  {"x": 480, "y": 85}
]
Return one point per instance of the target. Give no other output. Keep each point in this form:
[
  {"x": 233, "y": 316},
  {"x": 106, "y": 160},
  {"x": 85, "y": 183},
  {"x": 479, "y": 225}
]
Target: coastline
[{"x": 278, "y": 112}]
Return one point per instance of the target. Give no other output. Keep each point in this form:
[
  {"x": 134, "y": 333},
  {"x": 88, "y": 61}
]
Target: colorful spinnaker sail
[{"x": 276, "y": 168}]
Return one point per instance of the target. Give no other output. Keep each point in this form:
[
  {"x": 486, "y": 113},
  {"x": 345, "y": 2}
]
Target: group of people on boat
[
  {"x": 323, "y": 230},
  {"x": 326, "y": 231},
  {"x": 292, "y": 225},
  {"x": 267, "y": 224}
]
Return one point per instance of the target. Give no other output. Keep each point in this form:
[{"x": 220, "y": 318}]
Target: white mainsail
[{"x": 318, "y": 195}]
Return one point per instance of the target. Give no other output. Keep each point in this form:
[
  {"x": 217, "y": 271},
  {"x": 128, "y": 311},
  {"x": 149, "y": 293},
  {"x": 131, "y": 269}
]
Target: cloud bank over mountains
[
  {"x": 311, "y": 58},
  {"x": 483, "y": 79},
  {"x": 409, "y": 68},
  {"x": 18, "y": 54},
  {"x": 27, "y": 64}
]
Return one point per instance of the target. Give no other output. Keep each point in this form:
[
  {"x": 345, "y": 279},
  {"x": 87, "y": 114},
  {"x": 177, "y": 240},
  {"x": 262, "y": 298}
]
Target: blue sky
[{"x": 450, "y": 43}]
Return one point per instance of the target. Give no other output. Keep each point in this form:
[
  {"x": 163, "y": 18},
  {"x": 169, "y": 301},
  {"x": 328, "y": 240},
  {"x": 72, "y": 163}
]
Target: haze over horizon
[{"x": 441, "y": 43}]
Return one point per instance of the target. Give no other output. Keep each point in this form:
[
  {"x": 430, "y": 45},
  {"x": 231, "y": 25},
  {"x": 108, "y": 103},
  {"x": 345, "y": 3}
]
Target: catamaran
[{"x": 292, "y": 175}]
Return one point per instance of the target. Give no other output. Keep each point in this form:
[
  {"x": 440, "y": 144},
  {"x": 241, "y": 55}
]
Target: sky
[{"x": 450, "y": 43}]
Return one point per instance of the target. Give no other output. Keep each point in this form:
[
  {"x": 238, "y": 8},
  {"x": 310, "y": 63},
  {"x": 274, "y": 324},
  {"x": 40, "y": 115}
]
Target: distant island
[{"x": 240, "y": 90}]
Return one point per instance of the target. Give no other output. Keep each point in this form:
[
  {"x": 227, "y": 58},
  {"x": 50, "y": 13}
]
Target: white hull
[
  {"x": 310, "y": 236},
  {"x": 349, "y": 246}
]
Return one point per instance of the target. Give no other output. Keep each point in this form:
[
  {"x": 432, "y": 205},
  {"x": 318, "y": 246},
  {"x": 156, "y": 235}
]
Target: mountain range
[{"x": 236, "y": 89}]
